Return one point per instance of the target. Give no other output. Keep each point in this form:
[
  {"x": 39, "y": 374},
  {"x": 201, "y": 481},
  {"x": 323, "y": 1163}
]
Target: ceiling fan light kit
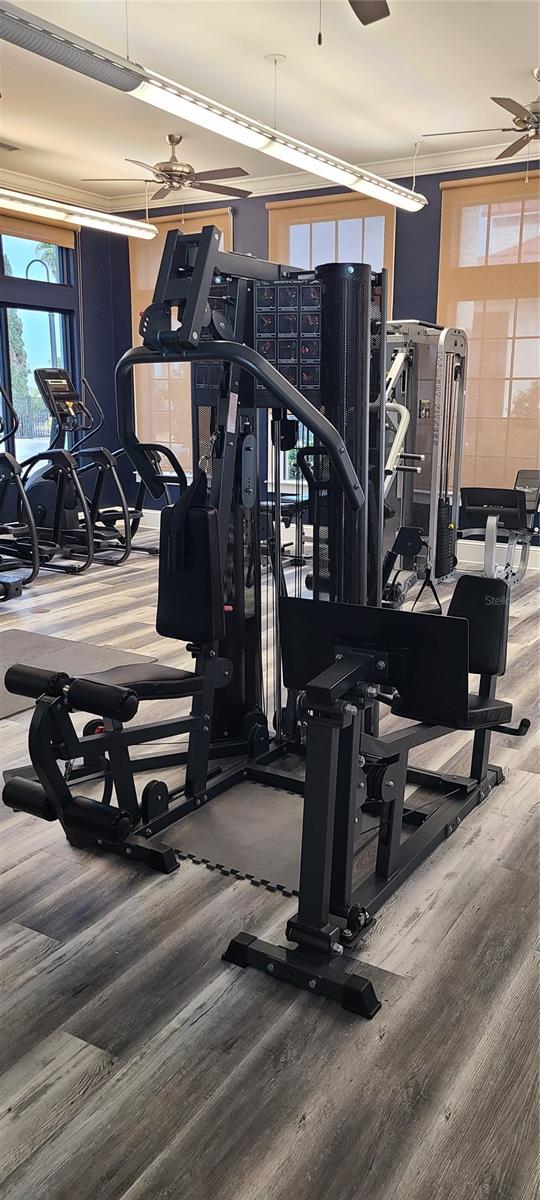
[{"x": 50, "y": 41}]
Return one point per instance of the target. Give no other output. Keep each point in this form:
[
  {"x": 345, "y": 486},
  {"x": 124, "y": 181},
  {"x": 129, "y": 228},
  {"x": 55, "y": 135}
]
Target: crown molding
[
  {"x": 53, "y": 191},
  {"x": 269, "y": 185}
]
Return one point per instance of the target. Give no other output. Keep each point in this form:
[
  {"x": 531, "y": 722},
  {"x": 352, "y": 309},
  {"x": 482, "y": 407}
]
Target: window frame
[
  {"x": 487, "y": 189},
  {"x": 282, "y": 214},
  {"x": 39, "y": 295},
  {"x": 481, "y": 284}
]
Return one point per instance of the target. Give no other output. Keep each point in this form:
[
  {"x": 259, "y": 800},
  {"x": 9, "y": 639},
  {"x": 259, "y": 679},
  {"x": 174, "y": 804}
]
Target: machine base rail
[
  {"x": 158, "y": 856},
  {"x": 316, "y": 974}
]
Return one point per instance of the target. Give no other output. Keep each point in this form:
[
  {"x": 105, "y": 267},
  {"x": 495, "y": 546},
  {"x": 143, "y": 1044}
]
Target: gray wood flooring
[{"x": 138, "y": 1066}]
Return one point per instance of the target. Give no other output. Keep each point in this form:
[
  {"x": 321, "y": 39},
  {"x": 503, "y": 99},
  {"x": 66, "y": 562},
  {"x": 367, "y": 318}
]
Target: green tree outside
[{"x": 33, "y": 416}]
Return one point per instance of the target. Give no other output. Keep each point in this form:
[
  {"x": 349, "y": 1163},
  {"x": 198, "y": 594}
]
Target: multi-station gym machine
[{"x": 290, "y": 658}]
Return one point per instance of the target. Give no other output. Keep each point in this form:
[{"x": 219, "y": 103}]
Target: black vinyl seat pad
[
  {"x": 152, "y": 682},
  {"x": 484, "y": 712}
]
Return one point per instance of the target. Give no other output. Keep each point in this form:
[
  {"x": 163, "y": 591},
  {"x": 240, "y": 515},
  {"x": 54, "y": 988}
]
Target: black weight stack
[{"x": 445, "y": 554}]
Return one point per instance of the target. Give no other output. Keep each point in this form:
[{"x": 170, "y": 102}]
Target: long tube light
[
  {"x": 71, "y": 214},
  {"x": 50, "y": 41}
]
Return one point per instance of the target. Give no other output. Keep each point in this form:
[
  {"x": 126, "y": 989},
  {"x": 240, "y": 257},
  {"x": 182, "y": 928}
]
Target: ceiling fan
[
  {"x": 173, "y": 175},
  {"x": 525, "y": 121},
  {"x": 369, "y": 11}
]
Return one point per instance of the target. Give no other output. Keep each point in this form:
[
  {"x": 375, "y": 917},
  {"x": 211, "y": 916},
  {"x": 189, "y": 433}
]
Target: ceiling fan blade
[
  {"x": 369, "y": 11},
  {"x": 161, "y": 193},
  {"x": 222, "y": 191},
  {"x": 145, "y": 166},
  {"x": 509, "y": 151},
  {"x": 512, "y": 106},
  {"x": 222, "y": 173},
  {"x": 454, "y": 132},
  {"x": 111, "y": 179}
]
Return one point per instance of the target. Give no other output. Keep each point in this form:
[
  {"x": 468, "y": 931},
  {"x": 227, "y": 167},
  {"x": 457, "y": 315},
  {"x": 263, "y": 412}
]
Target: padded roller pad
[
  {"x": 93, "y": 819},
  {"x": 33, "y": 681},
  {"x": 152, "y": 682},
  {"x": 27, "y": 795}
]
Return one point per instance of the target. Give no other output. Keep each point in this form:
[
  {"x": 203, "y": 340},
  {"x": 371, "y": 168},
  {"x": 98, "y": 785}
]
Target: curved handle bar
[
  {"x": 7, "y": 433},
  {"x": 392, "y": 462},
  {"x": 243, "y": 356},
  {"x": 95, "y": 426}
]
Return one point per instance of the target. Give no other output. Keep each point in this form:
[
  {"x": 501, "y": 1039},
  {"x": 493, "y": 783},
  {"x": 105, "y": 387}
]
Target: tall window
[
  {"x": 26, "y": 258},
  {"x": 163, "y": 390},
  {"x": 37, "y": 309},
  {"x": 35, "y": 338},
  {"x": 489, "y": 285},
  {"x": 332, "y": 229}
]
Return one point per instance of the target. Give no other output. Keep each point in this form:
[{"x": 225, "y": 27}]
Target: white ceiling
[{"x": 366, "y": 95}]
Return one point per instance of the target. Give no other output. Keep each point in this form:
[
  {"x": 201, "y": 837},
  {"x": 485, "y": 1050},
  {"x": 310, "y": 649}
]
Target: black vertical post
[
  {"x": 377, "y": 445},
  {"x": 391, "y": 817},
  {"x": 318, "y": 822},
  {"x": 482, "y": 737},
  {"x": 345, "y": 390},
  {"x": 345, "y": 815}
]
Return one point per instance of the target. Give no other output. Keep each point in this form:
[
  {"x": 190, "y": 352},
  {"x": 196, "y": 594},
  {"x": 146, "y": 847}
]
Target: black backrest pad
[
  {"x": 433, "y": 683},
  {"x": 190, "y": 594},
  {"x": 509, "y": 504},
  {"x": 486, "y": 605}
]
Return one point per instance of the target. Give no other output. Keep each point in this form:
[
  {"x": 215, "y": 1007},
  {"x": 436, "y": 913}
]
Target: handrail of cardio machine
[
  {"x": 5, "y": 434},
  {"x": 286, "y": 396}
]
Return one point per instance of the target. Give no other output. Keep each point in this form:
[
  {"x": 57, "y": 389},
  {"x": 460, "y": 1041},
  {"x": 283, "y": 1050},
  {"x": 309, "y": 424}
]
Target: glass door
[{"x": 35, "y": 338}]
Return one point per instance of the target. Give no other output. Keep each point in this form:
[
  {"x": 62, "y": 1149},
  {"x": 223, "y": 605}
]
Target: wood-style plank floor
[{"x": 138, "y": 1066}]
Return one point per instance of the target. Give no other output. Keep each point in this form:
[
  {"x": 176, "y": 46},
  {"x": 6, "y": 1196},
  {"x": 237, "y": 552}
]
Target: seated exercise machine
[
  {"x": 510, "y": 515},
  {"x": 218, "y": 624},
  {"x": 19, "y": 557},
  {"x": 247, "y": 621}
]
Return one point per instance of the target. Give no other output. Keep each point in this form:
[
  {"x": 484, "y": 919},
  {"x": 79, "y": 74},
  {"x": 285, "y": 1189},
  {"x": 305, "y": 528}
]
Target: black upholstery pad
[
  {"x": 486, "y": 605},
  {"x": 152, "y": 682},
  {"x": 484, "y": 712}
]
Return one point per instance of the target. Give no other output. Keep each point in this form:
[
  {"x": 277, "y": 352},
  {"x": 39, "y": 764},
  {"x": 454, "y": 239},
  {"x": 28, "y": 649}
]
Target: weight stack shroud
[{"x": 341, "y": 539}]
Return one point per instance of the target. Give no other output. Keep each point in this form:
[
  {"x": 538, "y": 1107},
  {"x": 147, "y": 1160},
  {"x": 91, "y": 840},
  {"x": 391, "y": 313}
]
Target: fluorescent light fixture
[
  {"x": 199, "y": 110},
  {"x": 202, "y": 112},
  {"x": 50, "y": 41},
  {"x": 71, "y": 214}
]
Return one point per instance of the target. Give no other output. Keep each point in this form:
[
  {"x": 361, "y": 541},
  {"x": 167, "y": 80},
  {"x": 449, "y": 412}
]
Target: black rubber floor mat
[{"x": 252, "y": 831}]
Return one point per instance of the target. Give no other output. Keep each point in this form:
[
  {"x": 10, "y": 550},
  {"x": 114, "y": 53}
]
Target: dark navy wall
[{"x": 105, "y": 328}]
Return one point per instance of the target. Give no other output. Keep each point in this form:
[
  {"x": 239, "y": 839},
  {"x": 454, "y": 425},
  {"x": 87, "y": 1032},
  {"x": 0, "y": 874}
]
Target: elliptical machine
[
  {"x": 114, "y": 523},
  {"x": 64, "y": 511},
  {"x": 20, "y": 551}
]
